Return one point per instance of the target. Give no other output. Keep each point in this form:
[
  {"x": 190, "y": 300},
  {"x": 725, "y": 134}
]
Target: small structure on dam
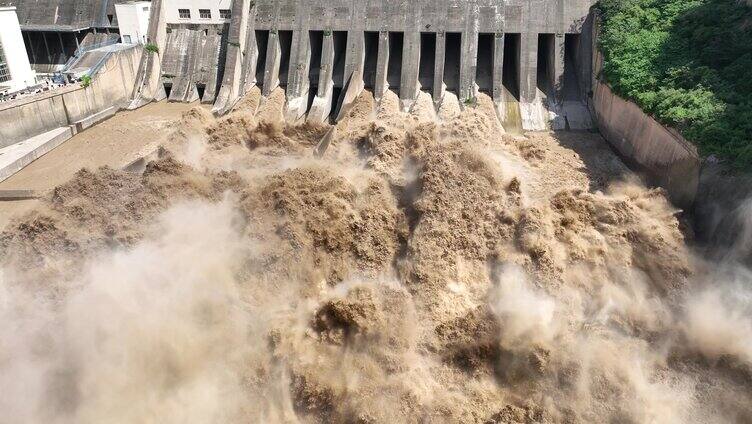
[{"x": 53, "y": 30}]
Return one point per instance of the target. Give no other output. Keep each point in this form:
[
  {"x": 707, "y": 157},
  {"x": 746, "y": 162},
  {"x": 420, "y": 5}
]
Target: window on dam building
[
  {"x": 4, "y": 71},
  {"x": 204, "y": 14},
  {"x": 184, "y": 13},
  {"x": 224, "y": 13}
]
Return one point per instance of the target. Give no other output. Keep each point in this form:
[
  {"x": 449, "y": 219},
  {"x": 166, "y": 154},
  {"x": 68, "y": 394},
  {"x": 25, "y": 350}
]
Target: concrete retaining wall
[
  {"x": 666, "y": 158},
  {"x": 111, "y": 87}
]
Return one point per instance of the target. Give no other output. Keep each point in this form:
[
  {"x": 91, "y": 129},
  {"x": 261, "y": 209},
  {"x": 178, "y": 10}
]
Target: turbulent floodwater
[{"x": 426, "y": 268}]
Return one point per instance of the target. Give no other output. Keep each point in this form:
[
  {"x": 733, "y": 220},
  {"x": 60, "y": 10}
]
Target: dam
[
  {"x": 306, "y": 212},
  {"x": 529, "y": 56},
  {"x": 532, "y": 57}
]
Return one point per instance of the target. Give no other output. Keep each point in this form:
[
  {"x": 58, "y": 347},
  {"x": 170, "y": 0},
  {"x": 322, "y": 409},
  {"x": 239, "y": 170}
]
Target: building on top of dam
[
  {"x": 525, "y": 54},
  {"x": 133, "y": 21},
  {"x": 53, "y": 30},
  {"x": 15, "y": 71}
]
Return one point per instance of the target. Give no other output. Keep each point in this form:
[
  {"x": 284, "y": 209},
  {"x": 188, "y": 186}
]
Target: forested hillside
[{"x": 689, "y": 64}]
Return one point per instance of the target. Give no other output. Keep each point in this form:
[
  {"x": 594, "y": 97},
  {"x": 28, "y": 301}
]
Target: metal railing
[{"x": 83, "y": 49}]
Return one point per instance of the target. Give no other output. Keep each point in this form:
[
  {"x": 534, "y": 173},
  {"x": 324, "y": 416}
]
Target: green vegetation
[
  {"x": 151, "y": 48},
  {"x": 85, "y": 81},
  {"x": 689, "y": 64}
]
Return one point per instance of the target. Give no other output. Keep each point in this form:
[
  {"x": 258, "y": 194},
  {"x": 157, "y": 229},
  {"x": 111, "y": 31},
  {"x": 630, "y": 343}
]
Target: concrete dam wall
[
  {"x": 524, "y": 54},
  {"x": 193, "y": 62}
]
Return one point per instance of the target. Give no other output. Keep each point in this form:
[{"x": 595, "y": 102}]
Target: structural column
[
  {"x": 150, "y": 86},
  {"x": 469, "y": 55},
  {"x": 498, "y": 68},
  {"x": 558, "y": 67},
  {"x": 231, "y": 88},
  {"x": 250, "y": 61},
  {"x": 300, "y": 62},
  {"x": 60, "y": 40},
  {"x": 31, "y": 47},
  {"x": 354, "y": 58},
  {"x": 409, "y": 84},
  {"x": 410, "y": 67},
  {"x": 528, "y": 67},
  {"x": 271, "y": 68},
  {"x": 382, "y": 65},
  {"x": 322, "y": 104},
  {"x": 46, "y": 47},
  {"x": 354, "y": 55},
  {"x": 438, "y": 67},
  {"x": 534, "y": 115}
]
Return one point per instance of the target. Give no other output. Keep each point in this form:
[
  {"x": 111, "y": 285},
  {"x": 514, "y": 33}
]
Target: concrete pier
[{"x": 326, "y": 53}]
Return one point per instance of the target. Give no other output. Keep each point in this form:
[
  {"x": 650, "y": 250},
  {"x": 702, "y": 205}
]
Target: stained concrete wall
[
  {"x": 148, "y": 84},
  {"x": 64, "y": 15},
  {"x": 528, "y": 18},
  {"x": 193, "y": 61},
  {"x": 33, "y": 115},
  {"x": 666, "y": 157},
  {"x": 662, "y": 154}
]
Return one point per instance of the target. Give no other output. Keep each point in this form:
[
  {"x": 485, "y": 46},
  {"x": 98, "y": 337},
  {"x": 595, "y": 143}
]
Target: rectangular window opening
[
  {"x": 340, "y": 56},
  {"x": 184, "y": 13},
  {"x": 394, "y": 68},
  {"x": 452, "y": 58},
  {"x": 571, "y": 89},
  {"x": 511, "y": 66},
  {"x": 340, "y": 53},
  {"x": 285, "y": 45},
  {"x": 371, "y": 49},
  {"x": 545, "y": 74},
  {"x": 262, "y": 41},
  {"x": 427, "y": 60},
  {"x": 224, "y": 13},
  {"x": 204, "y": 13},
  {"x": 316, "y": 41},
  {"x": 484, "y": 66}
]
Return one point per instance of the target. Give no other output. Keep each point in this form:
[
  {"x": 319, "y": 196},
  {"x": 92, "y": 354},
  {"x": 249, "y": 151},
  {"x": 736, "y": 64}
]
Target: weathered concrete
[
  {"x": 661, "y": 153},
  {"x": 64, "y": 15},
  {"x": 33, "y": 115},
  {"x": 382, "y": 64},
  {"x": 403, "y": 22},
  {"x": 237, "y": 39},
  {"x": 191, "y": 62},
  {"x": 322, "y": 103},
  {"x": 271, "y": 67},
  {"x": 94, "y": 119},
  {"x": 667, "y": 158},
  {"x": 148, "y": 86},
  {"x": 438, "y": 69},
  {"x": 15, "y": 157},
  {"x": 298, "y": 84}
]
